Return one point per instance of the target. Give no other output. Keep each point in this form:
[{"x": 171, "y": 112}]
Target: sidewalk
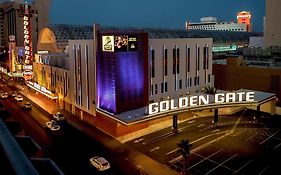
[{"x": 143, "y": 164}]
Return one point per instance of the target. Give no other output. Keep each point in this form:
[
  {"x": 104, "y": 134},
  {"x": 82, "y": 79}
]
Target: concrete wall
[
  {"x": 272, "y": 22},
  {"x": 236, "y": 75},
  {"x": 82, "y": 83},
  {"x": 158, "y": 46}
]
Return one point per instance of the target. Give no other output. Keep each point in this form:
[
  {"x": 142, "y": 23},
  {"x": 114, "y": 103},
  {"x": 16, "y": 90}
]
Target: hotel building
[
  {"x": 115, "y": 74},
  {"x": 210, "y": 23}
]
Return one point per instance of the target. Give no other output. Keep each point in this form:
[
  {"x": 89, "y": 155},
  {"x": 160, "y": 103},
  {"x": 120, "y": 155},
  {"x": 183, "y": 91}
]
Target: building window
[
  {"x": 205, "y": 57},
  {"x": 152, "y": 63},
  {"x": 190, "y": 82},
  {"x": 188, "y": 59},
  {"x": 166, "y": 86},
  {"x": 151, "y": 90},
  {"x": 180, "y": 84},
  {"x": 174, "y": 61},
  {"x": 155, "y": 91},
  {"x": 165, "y": 61},
  {"x": 209, "y": 78},
  {"x": 178, "y": 60},
  {"x": 162, "y": 87},
  {"x": 198, "y": 57}
]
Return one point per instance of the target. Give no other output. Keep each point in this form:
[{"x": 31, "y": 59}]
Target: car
[
  {"x": 19, "y": 98},
  {"x": 58, "y": 116},
  {"x": 99, "y": 163},
  {"x": 4, "y": 95},
  {"x": 53, "y": 125},
  {"x": 27, "y": 105},
  {"x": 14, "y": 94}
]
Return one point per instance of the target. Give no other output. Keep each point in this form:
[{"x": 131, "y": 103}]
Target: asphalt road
[
  {"x": 239, "y": 144},
  {"x": 69, "y": 148}
]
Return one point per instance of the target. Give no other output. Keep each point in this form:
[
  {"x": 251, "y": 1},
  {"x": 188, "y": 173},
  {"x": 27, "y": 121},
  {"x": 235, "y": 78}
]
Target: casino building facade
[{"x": 111, "y": 75}]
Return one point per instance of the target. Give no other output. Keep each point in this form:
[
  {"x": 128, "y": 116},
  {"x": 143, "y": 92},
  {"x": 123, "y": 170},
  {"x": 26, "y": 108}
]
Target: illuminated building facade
[
  {"x": 122, "y": 71},
  {"x": 244, "y": 17}
]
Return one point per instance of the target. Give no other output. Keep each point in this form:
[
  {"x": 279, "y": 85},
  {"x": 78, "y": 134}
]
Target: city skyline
[{"x": 153, "y": 14}]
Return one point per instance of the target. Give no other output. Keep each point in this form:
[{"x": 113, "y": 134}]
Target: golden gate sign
[
  {"x": 200, "y": 100},
  {"x": 27, "y": 67}
]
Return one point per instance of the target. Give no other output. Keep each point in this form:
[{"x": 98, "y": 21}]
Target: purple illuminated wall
[{"x": 122, "y": 77}]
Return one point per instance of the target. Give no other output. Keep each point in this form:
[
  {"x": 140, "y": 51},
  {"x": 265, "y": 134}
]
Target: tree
[
  {"x": 212, "y": 91},
  {"x": 184, "y": 150}
]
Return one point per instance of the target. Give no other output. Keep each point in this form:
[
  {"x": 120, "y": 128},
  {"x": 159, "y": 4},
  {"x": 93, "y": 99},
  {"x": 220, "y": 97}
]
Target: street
[
  {"x": 239, "y": 144},
  {"x": 68, "y": 147}
]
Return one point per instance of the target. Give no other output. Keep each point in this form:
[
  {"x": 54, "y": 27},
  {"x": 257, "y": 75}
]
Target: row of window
[
  {"x": 179, "y": 85},
  {"x": 176, "y": 60},
  {"x": 212, "y": 28}
]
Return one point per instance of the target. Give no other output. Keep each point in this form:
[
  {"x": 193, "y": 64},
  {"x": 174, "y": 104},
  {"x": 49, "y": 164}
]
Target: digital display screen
[
  {"x": 107, "y": 43},
  {"x": 132, "y": 43},
  {"x": 121, "y": 43}
]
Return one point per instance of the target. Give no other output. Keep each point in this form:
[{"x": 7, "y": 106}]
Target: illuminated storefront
[{"x": 43, "y": 90}]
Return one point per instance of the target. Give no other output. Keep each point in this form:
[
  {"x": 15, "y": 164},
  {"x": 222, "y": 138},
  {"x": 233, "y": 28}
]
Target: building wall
[
  {"x": 235, "y": 75},
  {"x": 183, "y": 82},
  {"x": 59, "y": 84},
  {"x": 43, "y": 7},
  {"x": 122, "y": 74},
  {"x": 272, "y": 23},
  {"x": 256, "y": 41},
  {"x": 245, "y": 18},
  {"x": 219, "y": 26},
  {"x": 13, "y": 24},
  {"x": 82, "y": 75}
]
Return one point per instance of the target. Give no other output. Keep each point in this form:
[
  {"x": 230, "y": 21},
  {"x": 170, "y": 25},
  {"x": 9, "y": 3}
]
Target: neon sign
[
  {"x": 200, "y": 100},
  {"x": 27, "y": 73}
]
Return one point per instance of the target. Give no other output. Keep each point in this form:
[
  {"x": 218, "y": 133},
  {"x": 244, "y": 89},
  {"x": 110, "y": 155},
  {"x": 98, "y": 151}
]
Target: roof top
[{"x": 65, "y": 32}]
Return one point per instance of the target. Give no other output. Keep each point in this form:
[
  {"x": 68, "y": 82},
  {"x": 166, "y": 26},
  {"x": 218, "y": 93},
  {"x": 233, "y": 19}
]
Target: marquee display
[{"x": 201, "y": 100}]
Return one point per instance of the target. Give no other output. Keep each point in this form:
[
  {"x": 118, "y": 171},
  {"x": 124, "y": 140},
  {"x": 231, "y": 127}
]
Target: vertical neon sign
[{"x": 27, "y": 68}]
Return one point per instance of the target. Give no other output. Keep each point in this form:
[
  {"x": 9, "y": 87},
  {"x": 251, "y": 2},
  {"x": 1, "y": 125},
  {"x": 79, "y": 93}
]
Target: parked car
[
  {"x": 14, "y": 94},
  {"x": 4, "y": 95},
  {"x": 99, "y": 163},
  {"x": 53, "y": 125},
  {"x": 58, "y": 116},
  {"x": 27, "y": 105},
  {"x": 19, "y": 98}
]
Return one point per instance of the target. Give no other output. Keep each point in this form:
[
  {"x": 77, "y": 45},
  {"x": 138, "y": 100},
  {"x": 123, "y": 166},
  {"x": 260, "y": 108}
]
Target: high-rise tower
[
  {"x": 244, "y": 17},
  {"x": 42, "y": 7}
]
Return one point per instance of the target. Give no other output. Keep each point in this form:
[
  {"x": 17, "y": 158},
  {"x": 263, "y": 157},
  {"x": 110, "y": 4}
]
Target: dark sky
[{"x": 152, "y": 13}]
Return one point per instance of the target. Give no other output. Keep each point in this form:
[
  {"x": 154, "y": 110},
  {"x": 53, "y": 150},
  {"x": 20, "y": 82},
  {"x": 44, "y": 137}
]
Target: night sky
[{"x": 152, "y": 13}]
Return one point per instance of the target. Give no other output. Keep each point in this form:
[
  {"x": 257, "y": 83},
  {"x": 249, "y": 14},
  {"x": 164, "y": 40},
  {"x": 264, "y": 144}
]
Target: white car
[
  {"x": 99, "y": 163},
  {"x": 14, "y": 94},
  {"x": 27, "y": 105},
  {"x": 53, "y": 125},
  {"x": 19, "y": 98},
  {"x": 4, "y": 95},
  {"x": 58, "y": 116}
]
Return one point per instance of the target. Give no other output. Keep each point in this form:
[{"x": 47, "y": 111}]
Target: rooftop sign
[{"x": 200, "y": 101}]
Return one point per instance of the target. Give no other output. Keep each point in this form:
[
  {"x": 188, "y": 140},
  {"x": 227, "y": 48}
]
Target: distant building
[
  {"x": 235, "y": 73},
  {"x": 272, "y": 32},
  {"x": 43, "y": 8},
  {"x": 244, "y": 17},
  {"x": 210, "y": 23},
  {"x": 12, "y": 24}
]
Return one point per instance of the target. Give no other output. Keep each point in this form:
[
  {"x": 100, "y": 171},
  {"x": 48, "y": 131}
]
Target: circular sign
[{"x": 27, "y": 74}]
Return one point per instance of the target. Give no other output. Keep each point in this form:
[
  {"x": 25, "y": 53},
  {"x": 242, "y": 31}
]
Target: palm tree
[
  {"x": 212, "y": 91},
  {"x": 184, "y": 149}
]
